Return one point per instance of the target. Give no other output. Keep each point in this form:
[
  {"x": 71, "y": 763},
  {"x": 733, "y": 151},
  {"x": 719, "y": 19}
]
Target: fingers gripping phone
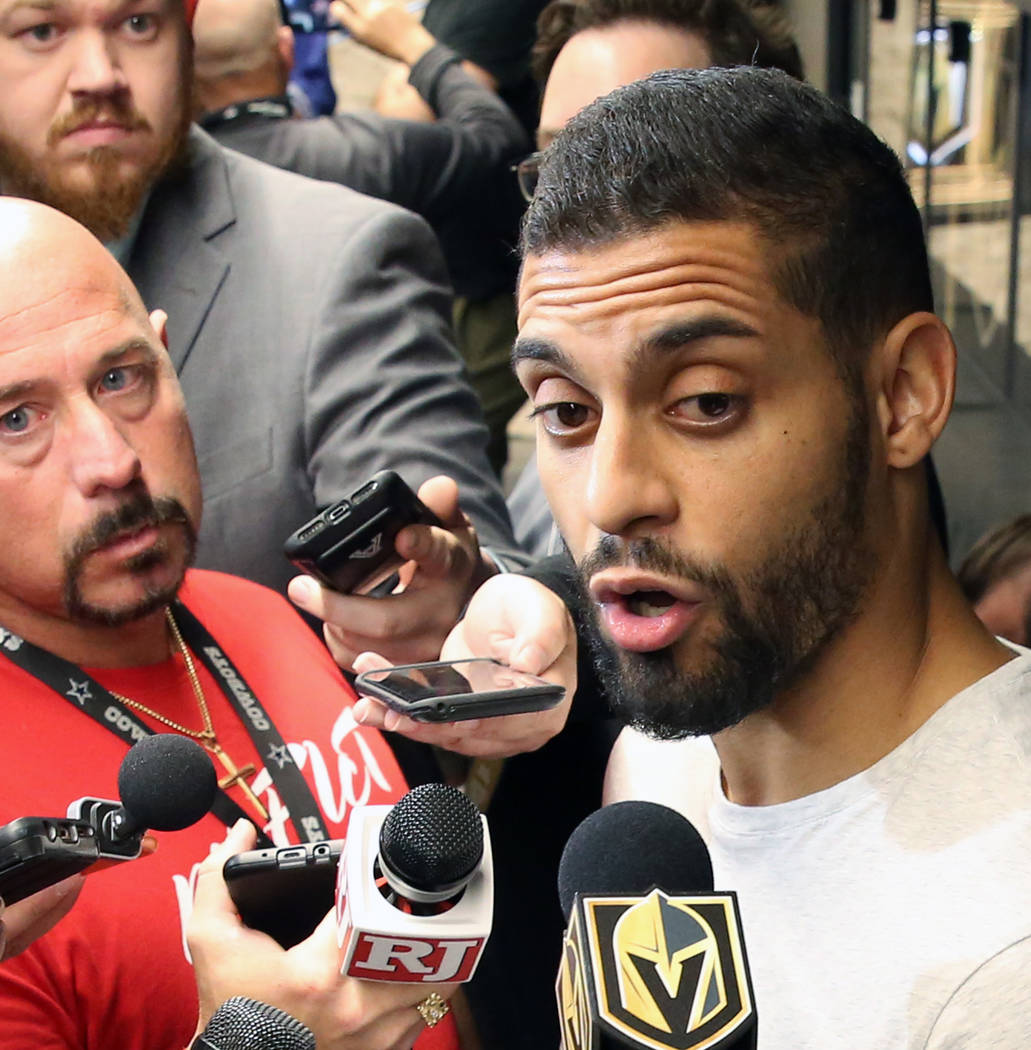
[
  {"x": 350, "y": 545},
  {"x": 454, "y": 690},
  {"x": 285, "y": 892},
  {"x": 36, "y": 852}
]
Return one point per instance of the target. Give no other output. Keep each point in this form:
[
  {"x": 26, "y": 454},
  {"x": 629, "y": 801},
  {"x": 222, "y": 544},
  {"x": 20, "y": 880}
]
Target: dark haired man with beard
[
  {"x": 726, "y": 328},
  {"x": 107, "y": 635},
  {"x": 587, "y": 48},
  {"x": 308, "y": 323}
]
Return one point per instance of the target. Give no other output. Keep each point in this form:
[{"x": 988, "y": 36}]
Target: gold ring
[{"x": 433, "y": 1009}]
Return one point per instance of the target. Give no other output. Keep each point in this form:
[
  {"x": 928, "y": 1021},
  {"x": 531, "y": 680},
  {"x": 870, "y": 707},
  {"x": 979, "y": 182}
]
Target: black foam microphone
[
  {"x": 166, "y": 782},
  {"x": 429, "y": 846},
  {"x": 247, "y": 1024},
  {"x": 415, "y": 894},
  {"x": 652, "y": 956}
]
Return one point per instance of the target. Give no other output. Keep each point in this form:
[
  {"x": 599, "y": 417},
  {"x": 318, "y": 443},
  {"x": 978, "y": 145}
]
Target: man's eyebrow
[
  {"x": 541, "y": 350},
  {"x": 682, "y": 334},
  {"x": 16, "y": 391},
  {"x": 673, "y": 337},
  {"x": 136, "y": 344},
  {"x": 24, "y": 387},
  {"x": 35, "y": 5}
]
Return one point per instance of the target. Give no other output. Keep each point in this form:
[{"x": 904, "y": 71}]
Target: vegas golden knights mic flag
[{"x": 643, "y": 967}]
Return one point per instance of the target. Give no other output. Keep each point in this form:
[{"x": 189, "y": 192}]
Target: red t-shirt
[{"x": 114, "y": 973}]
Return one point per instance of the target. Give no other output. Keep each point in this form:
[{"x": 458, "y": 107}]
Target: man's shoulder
[
  {"x": 997, "y": 705},
  {"x": 220, "y": 599},
  {"x": 275, "y": 194}
]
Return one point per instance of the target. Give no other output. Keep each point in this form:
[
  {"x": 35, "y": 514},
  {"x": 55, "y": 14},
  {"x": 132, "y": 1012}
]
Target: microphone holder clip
[{"x": 107, "y": 819}]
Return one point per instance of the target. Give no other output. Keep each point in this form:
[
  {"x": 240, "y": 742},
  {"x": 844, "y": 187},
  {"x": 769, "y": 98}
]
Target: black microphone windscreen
[
  {"x": 246, "y": 1024},
  {"x": 166, "y": 782},
  {"x": 629, "y": 848},
  {"x": 432, "y": 838}
]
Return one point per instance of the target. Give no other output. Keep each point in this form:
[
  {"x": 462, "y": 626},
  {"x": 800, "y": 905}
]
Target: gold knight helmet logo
[
  {"x": 574, "y": 1008},
  {"x": 669, "y": 972}
]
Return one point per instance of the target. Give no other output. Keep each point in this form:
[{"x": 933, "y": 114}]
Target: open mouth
[
  {"x": 639, "y": 616},
  {"x": 649, "y": 603}
]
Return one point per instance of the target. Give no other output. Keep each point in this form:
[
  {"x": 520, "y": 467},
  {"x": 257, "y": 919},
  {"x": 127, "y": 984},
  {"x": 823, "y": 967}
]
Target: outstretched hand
[{"x": 520, "y": 622}]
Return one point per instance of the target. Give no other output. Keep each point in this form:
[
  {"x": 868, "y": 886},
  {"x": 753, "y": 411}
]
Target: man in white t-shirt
[{"x": 727, "y": 330}]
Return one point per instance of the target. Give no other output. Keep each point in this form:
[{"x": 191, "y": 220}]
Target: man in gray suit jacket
[
  {"x": 454, "y": 171},
  {"x": 307, "y": 322}
]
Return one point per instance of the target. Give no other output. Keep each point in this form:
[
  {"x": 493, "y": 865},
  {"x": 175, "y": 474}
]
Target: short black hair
[
  {"x": 734, "y": 32},
  {"x": 828, "y": 197}
]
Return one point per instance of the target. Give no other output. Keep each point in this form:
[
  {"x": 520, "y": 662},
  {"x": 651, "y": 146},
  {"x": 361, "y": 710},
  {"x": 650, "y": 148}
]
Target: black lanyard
[{"x": 87, "y": 694}]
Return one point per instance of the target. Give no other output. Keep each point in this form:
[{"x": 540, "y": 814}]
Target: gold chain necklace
[{"x": 206, "y": 736}]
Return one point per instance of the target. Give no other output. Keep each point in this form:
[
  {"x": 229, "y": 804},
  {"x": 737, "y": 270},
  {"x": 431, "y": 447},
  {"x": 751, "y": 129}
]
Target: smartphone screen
[{"x": 449, "y": 691}]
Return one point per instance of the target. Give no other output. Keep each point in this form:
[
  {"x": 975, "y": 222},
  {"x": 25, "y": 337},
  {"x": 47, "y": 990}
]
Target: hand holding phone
[
  {"x": 443, "y": 566},
  {"x": 286, "y": 891},
  {"x": 230, "y": 959},
  {"x": 519, "y": 621},
  {"x": 456, "y": 690},
  {"x": 350, "y": 545}
]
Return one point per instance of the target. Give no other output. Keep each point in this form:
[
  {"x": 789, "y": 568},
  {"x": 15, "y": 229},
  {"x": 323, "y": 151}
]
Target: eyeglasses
[{"x": 527, "y": 172}]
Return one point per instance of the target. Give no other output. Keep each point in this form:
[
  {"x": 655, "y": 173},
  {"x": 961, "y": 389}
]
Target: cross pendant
[{"x": 236, "y": 776}]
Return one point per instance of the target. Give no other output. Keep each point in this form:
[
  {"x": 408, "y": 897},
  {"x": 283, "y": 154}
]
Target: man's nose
[
  {"x": 628, "y": 491},
  {"x": 95, "y": 66},
  {"x": 101, "y": 457}
]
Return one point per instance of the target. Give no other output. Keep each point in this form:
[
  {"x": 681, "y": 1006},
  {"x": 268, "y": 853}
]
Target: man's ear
[
  {"x": 918, "y": 381},
  {"x": 285, "y": 47},
  {"x": 159, "y": 322}
]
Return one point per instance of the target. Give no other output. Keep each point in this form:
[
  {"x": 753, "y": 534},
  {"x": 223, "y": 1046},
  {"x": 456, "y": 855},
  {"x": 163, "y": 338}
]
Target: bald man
[
  {"x": 239, "y": 44},
  {"x": 108, "y": 636}
]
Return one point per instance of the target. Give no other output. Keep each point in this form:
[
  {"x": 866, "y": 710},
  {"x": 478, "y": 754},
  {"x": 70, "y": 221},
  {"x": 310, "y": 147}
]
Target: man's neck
[
  {"x": 135, "y": 644},
  {"x": 914, "y": 645},
  {"x": 215, "y": 94}
]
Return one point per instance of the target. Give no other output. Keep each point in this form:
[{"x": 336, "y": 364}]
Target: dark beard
[
  {"x": 138, "y": 512},
  {"x": 775, "y": 621},
  {"x": 107, "y": 208}
]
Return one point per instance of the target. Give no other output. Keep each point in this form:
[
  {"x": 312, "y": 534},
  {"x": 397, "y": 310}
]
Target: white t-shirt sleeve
[{"x": 991, "y": 1008}]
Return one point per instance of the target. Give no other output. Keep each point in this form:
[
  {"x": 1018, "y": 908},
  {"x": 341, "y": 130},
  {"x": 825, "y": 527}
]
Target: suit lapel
[{"x": 176, "y": 262}]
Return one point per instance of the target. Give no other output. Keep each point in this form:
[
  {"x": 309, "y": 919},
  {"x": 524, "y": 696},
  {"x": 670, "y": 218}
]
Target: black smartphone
[
  {"x": 36, "y": 852},
  {"x": 350, "y": 545},
  {"x": 453, "y": 690},
  {"x": 285, "y": 891}
]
